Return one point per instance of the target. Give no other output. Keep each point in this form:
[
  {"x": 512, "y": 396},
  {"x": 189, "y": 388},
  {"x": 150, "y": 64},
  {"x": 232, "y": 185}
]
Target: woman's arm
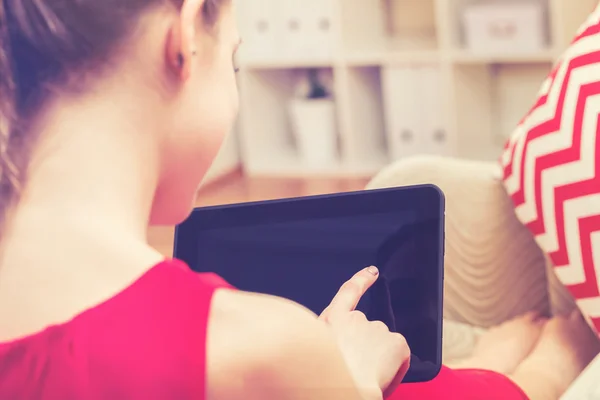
[{"x": 262, "y": 347}]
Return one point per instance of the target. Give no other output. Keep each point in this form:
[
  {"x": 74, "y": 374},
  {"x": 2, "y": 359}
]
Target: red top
[{"x": 149, "y": 342}]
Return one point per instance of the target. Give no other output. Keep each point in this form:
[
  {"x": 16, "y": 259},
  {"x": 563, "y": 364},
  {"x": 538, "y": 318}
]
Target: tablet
[{"x": 305, "y": 248}]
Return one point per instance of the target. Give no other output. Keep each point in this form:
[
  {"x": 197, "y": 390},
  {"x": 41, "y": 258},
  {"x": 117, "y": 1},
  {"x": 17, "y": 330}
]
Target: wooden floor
[{"x": 235, "y": 188}]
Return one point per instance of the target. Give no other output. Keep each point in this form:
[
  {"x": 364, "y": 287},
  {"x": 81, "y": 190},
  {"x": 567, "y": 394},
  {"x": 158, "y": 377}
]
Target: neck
[{"x": 93, "y": 172}]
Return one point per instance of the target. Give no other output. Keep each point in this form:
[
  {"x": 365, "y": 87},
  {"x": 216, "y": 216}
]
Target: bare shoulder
[
  {"x": 260, "y": 346},
  {"x": 256, "y": 310},
  {"x": 253, "y": 324}
]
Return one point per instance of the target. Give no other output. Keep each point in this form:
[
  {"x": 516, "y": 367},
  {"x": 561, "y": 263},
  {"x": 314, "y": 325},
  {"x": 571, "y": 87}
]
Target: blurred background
[{"x": 330, "y": 95}]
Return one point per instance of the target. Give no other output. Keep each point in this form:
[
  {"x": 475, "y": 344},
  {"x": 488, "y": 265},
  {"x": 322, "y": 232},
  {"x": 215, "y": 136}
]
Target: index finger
[{"x": 351, "y": 292}]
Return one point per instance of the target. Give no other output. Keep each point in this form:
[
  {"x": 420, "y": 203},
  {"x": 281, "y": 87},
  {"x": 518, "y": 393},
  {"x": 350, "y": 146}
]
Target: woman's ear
[{"x": 181, "y": 43}]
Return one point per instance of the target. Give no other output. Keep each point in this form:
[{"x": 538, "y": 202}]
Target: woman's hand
[{"x": 377, "y": 358}]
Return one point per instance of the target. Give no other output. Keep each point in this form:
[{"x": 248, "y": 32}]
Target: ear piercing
[{"x": 181, "y": 60}]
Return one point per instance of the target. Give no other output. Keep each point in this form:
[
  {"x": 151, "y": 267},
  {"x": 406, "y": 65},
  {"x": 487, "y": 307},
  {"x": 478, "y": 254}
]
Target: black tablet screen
[{"x": 307, "y": 259}]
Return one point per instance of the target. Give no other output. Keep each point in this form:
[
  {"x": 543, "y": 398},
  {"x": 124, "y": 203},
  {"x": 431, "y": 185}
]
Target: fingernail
[{"x": 373, "y": 270}]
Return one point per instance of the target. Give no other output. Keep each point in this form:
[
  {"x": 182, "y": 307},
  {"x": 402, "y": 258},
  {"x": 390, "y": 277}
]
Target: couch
[{"x": 494, "y": 270}]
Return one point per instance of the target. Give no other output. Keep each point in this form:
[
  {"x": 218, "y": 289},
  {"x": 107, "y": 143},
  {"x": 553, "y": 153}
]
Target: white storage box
[
  {"x": 415, "y": 111},
  {"x": 308, "y": 28},
  {"x": 403, "y": 112},
  {"x": 260, "y": 26},
  {"x": 507, "y": 26}
]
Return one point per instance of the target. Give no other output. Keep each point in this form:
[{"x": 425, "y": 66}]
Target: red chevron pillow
[{"x": 552, "y": 168}]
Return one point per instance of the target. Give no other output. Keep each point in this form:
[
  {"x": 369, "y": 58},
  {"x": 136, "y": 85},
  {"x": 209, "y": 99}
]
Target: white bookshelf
[{"x": 475, "y": 104}]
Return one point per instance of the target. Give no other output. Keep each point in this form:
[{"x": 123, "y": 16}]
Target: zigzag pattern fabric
[{"x": 552, "y": 168}]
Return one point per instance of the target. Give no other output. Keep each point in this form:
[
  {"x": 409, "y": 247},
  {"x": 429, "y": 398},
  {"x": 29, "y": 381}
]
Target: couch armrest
[{"x": 494, "y": 268}]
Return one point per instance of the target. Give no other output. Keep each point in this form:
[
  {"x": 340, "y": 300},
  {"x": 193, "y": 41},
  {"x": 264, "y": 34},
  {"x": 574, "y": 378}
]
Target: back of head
[
  {"x": 47, "y": 45},
  {"x": 8, "y": 170}
]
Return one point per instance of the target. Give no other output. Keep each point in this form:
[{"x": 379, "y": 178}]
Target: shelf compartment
[
  {"x": 566, "y": 18},
  {"x": 490, "y": 101},
  {"x": 267, "y": 140},
  {"x": 387, "y": 26},
  {"x": 411, "y": 25},
  {"x": 514, "y": 91}
]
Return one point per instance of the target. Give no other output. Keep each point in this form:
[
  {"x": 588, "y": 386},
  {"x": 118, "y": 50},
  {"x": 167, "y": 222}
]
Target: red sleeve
[{"x": 463, "y": 384}]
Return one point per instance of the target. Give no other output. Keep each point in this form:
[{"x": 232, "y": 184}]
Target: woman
[{"x": 110, "y": 113}]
